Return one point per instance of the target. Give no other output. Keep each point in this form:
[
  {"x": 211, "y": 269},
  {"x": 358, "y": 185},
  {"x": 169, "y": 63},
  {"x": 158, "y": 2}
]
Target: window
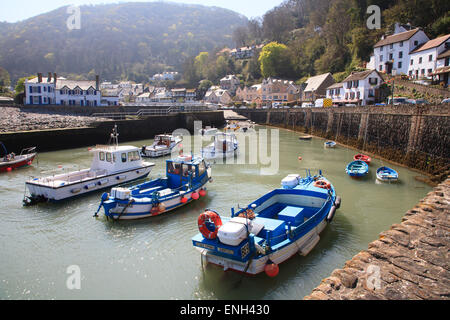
[
  {"x": 201, "y": 168},
  {"x": 422, "y": 71},
  {"x": 412, "y": 62},
  {"x": 401, "y": 44},
  {"x": 400, "y": 54},
  {"x": 174, "y": 168},
  {"x": 430, "y": 71},
  {"x": 134, "y": 156},
  {"x": 124, "y": 157},
  {"x": 108, "y": 157},
  {"x": 101, "y": 156},
  {"x": 188, "y": 169},
  {"x": 392, "y": 46},
  {"x": 416, "y": 43},
  {"x": 400, "y": 65},
  {"x": 380, "y": 68},
  {"x": 420, "y": 60},
  {"x": 373, "y": 81},
  {"x": 430, "y": 57},
  {"x": 391, "y": 56},
  {"x": 381, "y": 58}
]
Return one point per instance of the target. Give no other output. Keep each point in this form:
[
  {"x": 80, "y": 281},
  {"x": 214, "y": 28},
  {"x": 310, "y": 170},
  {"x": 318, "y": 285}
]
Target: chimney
[
  {"x": 54, "y": 78},
  {"x": 97, "y": 82},
  {"x": 49, "y": 77},
  {"x": 39, "y": 77}
]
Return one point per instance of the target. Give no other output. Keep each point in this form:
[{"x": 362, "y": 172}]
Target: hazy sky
[{"x": 15, "y": 10}]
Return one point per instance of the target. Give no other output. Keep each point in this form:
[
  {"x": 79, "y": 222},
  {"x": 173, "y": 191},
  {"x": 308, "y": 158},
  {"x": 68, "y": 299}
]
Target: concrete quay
[{"x": 410, "y": 261}]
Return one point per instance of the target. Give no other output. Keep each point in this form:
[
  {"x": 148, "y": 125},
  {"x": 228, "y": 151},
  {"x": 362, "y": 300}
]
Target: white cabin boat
[
  {"x": 224, "y": 145},
  {"x": 111, "y": 165},
  {"x": 208, "y": 131},
  {"x": 162, "y": 146}
]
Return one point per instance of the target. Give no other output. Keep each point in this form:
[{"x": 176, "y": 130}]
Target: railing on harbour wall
[{"x": 416, "y": 136}]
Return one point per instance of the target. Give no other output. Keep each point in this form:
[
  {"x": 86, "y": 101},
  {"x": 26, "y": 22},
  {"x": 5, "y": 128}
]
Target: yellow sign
[{"x": 327, "y": 103}]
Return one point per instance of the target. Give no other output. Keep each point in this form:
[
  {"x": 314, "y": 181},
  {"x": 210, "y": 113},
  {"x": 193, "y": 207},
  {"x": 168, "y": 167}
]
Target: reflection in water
[{"x": 154, "y": 258}]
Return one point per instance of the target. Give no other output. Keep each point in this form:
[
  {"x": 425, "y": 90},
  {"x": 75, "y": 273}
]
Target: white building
[
  {"x": 217, "y": 95},
  {"x": 336, "y": 93},
  {"x": 230, "y": 83},
  {"x": 165, "y": 76},
  {"x": 442, "y": 72},
  {"x": 423, "y": 59},
  {"x": 362, "y": 88},
  {"x": 391, "y": 53},
  {"x": 60, "y": 91}
]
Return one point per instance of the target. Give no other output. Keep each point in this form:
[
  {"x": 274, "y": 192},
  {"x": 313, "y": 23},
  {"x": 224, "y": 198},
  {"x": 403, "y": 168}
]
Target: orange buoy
[
  {"x": 322, "y": 184},
  {"x": 271, "y": 269},
  {"x": 184, "y": 200},
  {"x": 195, "y": 196},
  {"x": 202, "y": 193},
  {"x": 300, "y": 158},
  {"x": 209, "y": 216},
  {"x": 9, "y": 169}
]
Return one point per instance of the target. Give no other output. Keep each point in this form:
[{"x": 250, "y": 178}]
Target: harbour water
[{"x": 154, "y": 258}]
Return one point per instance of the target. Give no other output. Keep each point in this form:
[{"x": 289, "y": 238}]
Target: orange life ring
[
  {"x": 322, "y": 184},
  {"x": 209, "y": 216},
  {"x": 249, "y": 214}
]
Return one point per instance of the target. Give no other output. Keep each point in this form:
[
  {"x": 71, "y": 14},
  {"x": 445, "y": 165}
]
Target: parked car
[
  {"x": 307, "y": 105},
  {"x": 296, "y": 107},
  {"x": 446, "y": 100},
  {"x": 420, "y": 101},
  {"x": 398, "y": 100},
  {"x": 350, "y": 105},
  {"x": 379, "y": 104}
]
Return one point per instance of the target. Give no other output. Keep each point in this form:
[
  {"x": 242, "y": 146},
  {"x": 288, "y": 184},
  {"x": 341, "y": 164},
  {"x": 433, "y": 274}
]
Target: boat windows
[
  {"x": 124, "y": 157},
  {"x": 101, "y": 156},
  {"x": 108, "y": 157},
  {"x": 134, "y": 156},
  {"x": 201, "y": 168},
  {"x": 188, "y": 169},
  {"x": 173, "y": 168}
]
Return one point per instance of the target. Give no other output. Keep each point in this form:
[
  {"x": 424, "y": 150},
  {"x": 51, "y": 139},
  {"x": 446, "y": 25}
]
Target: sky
[{"x": 16, "y": 10}]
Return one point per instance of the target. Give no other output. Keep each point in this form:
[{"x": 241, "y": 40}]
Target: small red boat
[
  {"x": 362, "y": 157},
  {"x": 12, "y": 161}
]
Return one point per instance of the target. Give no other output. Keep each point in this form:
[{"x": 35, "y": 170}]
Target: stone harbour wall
[
  {"x": 416, "y": 136},
  {"x": 410, "y": 261}
]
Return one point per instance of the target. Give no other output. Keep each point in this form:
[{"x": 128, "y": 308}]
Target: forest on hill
[
  {"x": 129, "y": 41},
  {"x": 309, "y": 37}
]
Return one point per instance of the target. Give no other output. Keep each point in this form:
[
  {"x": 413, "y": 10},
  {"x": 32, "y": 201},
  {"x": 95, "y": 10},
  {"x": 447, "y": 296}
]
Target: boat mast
[{"x": 114, "y": 138}]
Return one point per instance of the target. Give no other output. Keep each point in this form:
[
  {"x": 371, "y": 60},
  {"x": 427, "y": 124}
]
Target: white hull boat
[
  {"x": 163, "y": 146},
  {"x": 225, "y": 145}
]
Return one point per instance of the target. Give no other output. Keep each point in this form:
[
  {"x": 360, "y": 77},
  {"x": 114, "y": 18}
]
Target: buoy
[
  {"x": 9, "y": 169},
  {"x": 202, "y": 193},
  {"x": 184, "y": 200},
  {"x": 300, "y": 158},
  {"x": 89, "y": 149},
  {"x": 195, "y": 196},
  {"x": 271, "y": 269},
  {"x": 29, "y": 163}
]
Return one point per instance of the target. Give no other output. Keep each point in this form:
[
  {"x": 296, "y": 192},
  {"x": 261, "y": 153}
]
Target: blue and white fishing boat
[
  {"x": 224, "y": 145},
  {"x": 387, "y": 174},
  {"x": 185, "y": 181},
  {"x": 357, "y": 168},
  {"x": 270, "y": 230},
  {"x": 329, "y": 144}
]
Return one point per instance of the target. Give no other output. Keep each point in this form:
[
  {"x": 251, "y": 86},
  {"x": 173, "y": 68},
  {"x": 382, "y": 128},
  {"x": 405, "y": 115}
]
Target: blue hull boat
[
  {"x": 185, "y": 182},
  {"x": 387, "y": 174},
  {"x": 357, "y": 168},
  {"x": 270, "y": 230},
  {"x": 330, "y": 144}
]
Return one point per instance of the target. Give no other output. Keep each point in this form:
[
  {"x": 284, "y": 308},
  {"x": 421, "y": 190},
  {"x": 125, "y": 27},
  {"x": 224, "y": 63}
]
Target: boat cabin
[
  {"x": 163, "y": 140},
  {"x": 115, "y": 158},
  {"x": 184, "y": 170}
]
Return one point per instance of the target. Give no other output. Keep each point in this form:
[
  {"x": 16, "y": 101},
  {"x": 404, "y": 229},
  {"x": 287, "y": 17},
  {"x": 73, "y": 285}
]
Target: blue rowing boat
[
  {"x": 387, "y": 174},
  {"x": 357, "y": 168},
  {"x": 270, "y": 230},
  {"x": 329, "y": 144},
  {"x": 185, "y": 181}
]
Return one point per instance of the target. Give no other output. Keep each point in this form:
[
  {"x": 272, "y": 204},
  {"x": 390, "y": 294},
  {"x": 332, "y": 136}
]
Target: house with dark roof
[
  {"x": 391, "y": 53},
  {"x": 362, "y": 88},
  {"x": 442, "y": 73},
  {"x": 424, "y": 58}
]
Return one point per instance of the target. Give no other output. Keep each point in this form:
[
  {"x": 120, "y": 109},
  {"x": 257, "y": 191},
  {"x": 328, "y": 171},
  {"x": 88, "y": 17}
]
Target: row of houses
[
  {"x": 54, "y": 90},
  {"x": 162, "y": 94},
  {"x": 409, "y": 51}
]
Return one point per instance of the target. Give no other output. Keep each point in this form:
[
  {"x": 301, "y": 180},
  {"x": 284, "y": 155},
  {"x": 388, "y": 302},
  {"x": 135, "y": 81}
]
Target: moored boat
[
  {"x": 185, "y": 181},
  {"x": 387, "y": 174},
  {"x": 224, "y": 145},
  {"x": 111, "y": 165},
  {"x": 329, "y": 144},
  {"x": 362, "y": 157},
  {"x": 357, "y": 168},
  {"x": 11, "y": 161},
  {"x": 305, "y": 137},
  {"x": 163, "y": 145},
  {"x": 270, "y": 230}
]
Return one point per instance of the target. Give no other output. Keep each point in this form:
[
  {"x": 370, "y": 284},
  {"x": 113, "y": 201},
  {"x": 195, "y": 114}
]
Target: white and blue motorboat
[
  {"x": 224, "y": 145},
  {"x": 163, "y": 145},
  {"x": 387, "y": 174},
  {"x": 330, "y": 144},
  {"x": 185, "y": 181},
  {"x": 270, "y": 230},
  {"x": 357, "y": 169}
]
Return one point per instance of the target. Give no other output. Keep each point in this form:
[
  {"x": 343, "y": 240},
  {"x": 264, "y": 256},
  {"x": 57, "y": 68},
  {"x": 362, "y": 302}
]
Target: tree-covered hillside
[{"x": 119, "y": 41}]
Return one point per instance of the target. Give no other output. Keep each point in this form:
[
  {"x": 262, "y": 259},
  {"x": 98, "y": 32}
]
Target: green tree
[{"x": 275, "y": 60}]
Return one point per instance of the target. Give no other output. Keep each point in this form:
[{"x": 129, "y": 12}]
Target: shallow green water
[{"x": 154, "y": 258}]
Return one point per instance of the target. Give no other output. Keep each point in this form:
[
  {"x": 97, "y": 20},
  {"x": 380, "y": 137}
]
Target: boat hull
[
  {"x": 25, "y": 161},
  {"x": 301, "y": 246},
  {"x": 385, "y": 174},
  {"x": 56, "y": 193}
]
